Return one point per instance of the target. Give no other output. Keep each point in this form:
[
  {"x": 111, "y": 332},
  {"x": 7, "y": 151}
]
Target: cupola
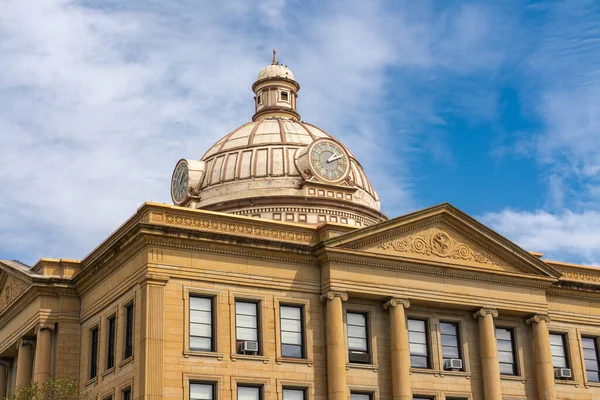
[{"x": 275, "y": 92}]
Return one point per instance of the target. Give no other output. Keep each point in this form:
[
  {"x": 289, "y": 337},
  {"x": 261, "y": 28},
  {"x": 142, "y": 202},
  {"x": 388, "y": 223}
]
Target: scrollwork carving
[
  {"x": 397, "y": 302},
  {"x": 333, "y": 294},
  {"x": 437, "y": 243},
  {"x": 537, "y": 318},
  {"x": 11, "y": 291},
  {"x": 482, "y": 312}
]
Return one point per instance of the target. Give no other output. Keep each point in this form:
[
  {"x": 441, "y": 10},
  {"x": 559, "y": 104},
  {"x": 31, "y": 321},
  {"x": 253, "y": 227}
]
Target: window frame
[
  {"x": 515, "y": 354},
  {"x": 258, "y": 326},
  {"x": 195, "y": 382},
  {"x": 365, "y": 314},
  {"x": 259, "y": 99},
  {"x": 113, "y": 318},
  {"x": 125, "y": 390},
  {"x": 596, "y": 340},
  {"x": 565, "y": 344},
  {"x": 262, "y": 336},
  {"x": 429, "y": 356},
  {"x": 307, "y": 327},
  {"x": 259, "y": 386},
  {"x": 302, "y": 330},
  {"x": 287, "y": 93},
  {"x": 94, "y": 333},
  {"x": 212, "y": 322},
  {"x": 459, "y": 343},
  {"x": 303, "y": 389},
  {"x": 372, "y": 391},
  {"x": 128, "y": 329}
]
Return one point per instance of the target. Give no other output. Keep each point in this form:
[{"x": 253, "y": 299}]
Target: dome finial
[{"x": 274, "y": 56}]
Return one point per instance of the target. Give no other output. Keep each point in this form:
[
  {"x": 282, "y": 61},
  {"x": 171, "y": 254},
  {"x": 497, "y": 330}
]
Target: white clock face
[
  {"x": 329, "y": 160},
  {"x": 179, "y": 184}
]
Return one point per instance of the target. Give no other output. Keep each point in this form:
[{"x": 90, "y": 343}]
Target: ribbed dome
[{"x": 275, "y": 71}]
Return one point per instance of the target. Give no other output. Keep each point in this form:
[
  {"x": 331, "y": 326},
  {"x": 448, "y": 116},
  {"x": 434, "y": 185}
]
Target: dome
[{"x": 279, "y": 167}]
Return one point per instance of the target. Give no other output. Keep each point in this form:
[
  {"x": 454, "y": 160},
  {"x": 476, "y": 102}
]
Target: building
[{"x": 276, "y": 277}]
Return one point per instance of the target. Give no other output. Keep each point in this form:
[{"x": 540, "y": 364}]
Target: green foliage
[{"x": 60, "y": 389}]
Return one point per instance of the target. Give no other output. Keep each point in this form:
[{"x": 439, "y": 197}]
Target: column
[
  {"x": 489, "y": 354},
  {"x": 4, "y": 366},
  {"x": 399, "y": 349},
  {"x": 24, "y": 362},
  {"x": 43, "y": 351},
  {"x": 336, "y": 345},
  {"x": 543, "y": 357}
]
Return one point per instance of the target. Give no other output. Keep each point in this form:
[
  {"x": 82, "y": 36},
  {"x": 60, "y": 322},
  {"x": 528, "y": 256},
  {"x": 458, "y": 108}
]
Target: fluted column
[
  {"x": 336, "y": 345},
  {"x": 43, "y": 352},
  {"x": 490, "y": 366},
  {"x": 399, "y": 349},
  {"x": 24, "y": 362},
  {"x": 543, "y": 357},
  {"x": 4, "y": 366}
]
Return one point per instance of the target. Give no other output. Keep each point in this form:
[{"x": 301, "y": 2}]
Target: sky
[{"x": 492, "y": 106}]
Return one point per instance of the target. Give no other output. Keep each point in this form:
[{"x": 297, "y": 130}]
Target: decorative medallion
[{"x": 438, "y": 244}]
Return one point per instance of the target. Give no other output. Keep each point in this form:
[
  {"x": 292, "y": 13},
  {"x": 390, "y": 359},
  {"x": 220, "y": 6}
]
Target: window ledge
[
  {"x": 200, "y": 353},
  {"x": 435, "y": 372},
  {"x": 373, "y": 367},
  {"x": 246, "y": 357},
  {"x": 513, "y": 378},
  {"x": 108, "y": 372},
  {"x": 126, "y": 361},
  {"x": 291, "y": 360},
  {"x": 465, "y": 374},
  {"x": 567, "y": 382},
  {"x": 92, "y": 381},
  {"x": 592, "y": 384}
]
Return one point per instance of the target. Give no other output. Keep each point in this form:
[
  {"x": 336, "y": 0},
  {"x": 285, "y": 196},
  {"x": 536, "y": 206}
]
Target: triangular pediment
[
  {"x": 13, "y": 282},
  {"x": 444, "y": 234}
]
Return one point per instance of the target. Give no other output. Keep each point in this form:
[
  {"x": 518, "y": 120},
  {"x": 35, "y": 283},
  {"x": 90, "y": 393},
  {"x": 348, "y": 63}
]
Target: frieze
[
  {"x": 580, "y": 276},
  {"x": 12, "y": 290},
  {"x": 437, "y": 243},
  {"x": 243, "y": 229}
]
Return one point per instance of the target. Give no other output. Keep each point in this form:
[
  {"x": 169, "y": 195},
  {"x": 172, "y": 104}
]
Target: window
[
  {"x": 358, "y": 345},
  {"x": 285, "y": 96},
  {"x": 506, "y": 351},
  {"x": 417, "y": 338},
  {"x": 294, "y": 394},
  {"x": 110, "y": 347},
  {"x": 201, "y": 323},
  {"x": 450, "y": 341},
  {"x": 126, "y": 394},
  {"x": 108, "y": 398},
  {"x": 360, "y": 396},
  {"x": 417, "y": 397},
  {"x": 246, "y": 326},
  {"x": 128, "y": 330},
  {"x": 249, "y": 393},
  {"x": 590, "y": 356},
  {"x": 94, "y": 352},
  {"x": 558, "y": 348},
  {"x": 292, "y": 332},
  {"x": 259, "y": 99},
  {"x": 202, "y": 391}
]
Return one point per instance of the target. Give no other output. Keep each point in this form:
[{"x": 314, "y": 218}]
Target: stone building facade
[{"x": 261, "y": 285}]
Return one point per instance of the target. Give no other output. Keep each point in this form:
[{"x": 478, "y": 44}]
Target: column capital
[
  {"x": 5, "y": 362},
  {"x": 26, "y": 341},
  {"x": 41, "y": 327},
  {"x": 537, "y": 318},
  {"x": 482, "y": 312},
  {"x": 332, "y": 295},
  {"x": 396, "y": 302}
]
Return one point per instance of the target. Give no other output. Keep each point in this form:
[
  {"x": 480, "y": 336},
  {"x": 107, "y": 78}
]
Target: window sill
[
  {"x": 373, "y": 367},
  {"x": 592, "y": 384},
  {"x": 92, "y": 381},
  {"x": 290, "y": 360},
  {"x": 200, "y": 353},
  {"x": 435, "y": 372},
  {"x": 567, "y": 382},
  {"x": 108, "y": 372},
  {"x": 465, "y": 374},
  {"x": 513, "y": 378},
  {"x": 246, "y": 357},
  {"x": 126, "y": 361}
]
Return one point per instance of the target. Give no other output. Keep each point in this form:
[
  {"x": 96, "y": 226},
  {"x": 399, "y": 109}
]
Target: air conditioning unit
[
  {"x": 249, "y": 346},
  {"x": 359, "y": 357},
  {"x": 562, "y": 373},
  {"x": 454, "y": 364}
]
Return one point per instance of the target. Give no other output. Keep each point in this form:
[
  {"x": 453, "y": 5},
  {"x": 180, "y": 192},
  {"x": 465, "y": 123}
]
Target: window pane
[
  {"x": 556, "y": 339},
  {"x": 198, "y": 343},
  {"x": 291, "y": 338},
  {"x": 417, "y": 337},
  {"x": 416, "y": 325},
  {"x": 293, "y": 394},
  {"x": 559, "y": 362},
  {"x": 504, "y": 345},
  {"x": 588, "y": 343},
  {"x": 200, "y": 303},
  {"x": 449, "y": 340},
  {"x": 248, "y": 393},
  {"x": 201, "y": 391},
  {"x": 418, "y": 362},
  {"x": 357, "y": 332},
  {"x": 591, "y": 365},
  {"x": 360, "y": 396},
  {"x": 505, "y": 357},
  {"x": 245, "y": 308},
  {"x": 203, "y": 317},
  {"x": 246, "y": 321},
  {"x": 246, "y": 334},
  {"x": 356, "y": 319},
  {"x": 291, "y": 325},
  {"x": 448, "y": 329},
  {"x": 589, "y": 354},
  {"x": 503, "y": 334},
  {"x": 450, "y": 352},
  {"x": 290, "y": 312},
  {"x": 557, "y": 351},
  {"x": 506, "y": 369},
  {"x": 593, "y": 376},
  {"x": 357, "y": 344},
  {"x": 418, "y": 349},
  {"x": 291, "y": 351}
]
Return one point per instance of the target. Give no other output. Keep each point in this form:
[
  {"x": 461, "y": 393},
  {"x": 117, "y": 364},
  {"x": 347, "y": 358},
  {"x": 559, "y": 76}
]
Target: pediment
[
  {"x": 444, "y": 234},
  {"x": 10, "y": 289}
]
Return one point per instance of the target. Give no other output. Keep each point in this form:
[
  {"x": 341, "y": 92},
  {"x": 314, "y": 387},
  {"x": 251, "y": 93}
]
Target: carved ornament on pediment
[
  {"x": 11, "y": 291},
  {"x": 581, "y": 276},
  {"x": 244, "y": 229},
  {"x": 437, "y": 243}
]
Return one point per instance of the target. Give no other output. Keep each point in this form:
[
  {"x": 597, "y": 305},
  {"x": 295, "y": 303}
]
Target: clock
[
  {"x": 180, "y": 182},
  {"x": 328, "y": 160}
]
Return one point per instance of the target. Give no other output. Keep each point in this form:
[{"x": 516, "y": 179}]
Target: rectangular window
[
  {"x": 417, "y": 397},
  {"x": 590, "y": 356},
  {"x": 202, "y": 391},
  {"x": 450, "y": 341},
  {"x": 506, "y": 351},
  {"x": 94, "y": 352},
  {"x": 128, "y": 330},
  {"x": 419, "y": 345},
  {"x": 358, "y": 343},
  {"x": 292, "y": 332},
  {"x": 558, "y": 348},
  {"x": 126, "y": 394},
  {"x": 246, "y": 327},
  {"x": 361, "y": 396},
  {"x": 110, "y": 345},
  {"x": 294, "y": 394},
  {"x": 249, "y": 393},
  {"x": 201, "y": 323},
  {"x": 285, "y": 96}
]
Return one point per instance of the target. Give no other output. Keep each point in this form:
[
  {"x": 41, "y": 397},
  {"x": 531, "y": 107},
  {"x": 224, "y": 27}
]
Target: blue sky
[{"x": 493, "y": 106}]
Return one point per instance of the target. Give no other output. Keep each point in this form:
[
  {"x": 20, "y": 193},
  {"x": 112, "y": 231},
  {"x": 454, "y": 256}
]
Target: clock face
[
  {"x": 329, "y": 160},
  {"x": 179, "y": 184}
]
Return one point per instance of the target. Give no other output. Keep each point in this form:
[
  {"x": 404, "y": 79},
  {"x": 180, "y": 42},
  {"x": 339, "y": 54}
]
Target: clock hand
[{"x": 333, "y": 158}]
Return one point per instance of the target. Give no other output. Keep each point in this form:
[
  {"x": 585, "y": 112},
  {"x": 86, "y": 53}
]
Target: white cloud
[{"x": 565, "y": 236}]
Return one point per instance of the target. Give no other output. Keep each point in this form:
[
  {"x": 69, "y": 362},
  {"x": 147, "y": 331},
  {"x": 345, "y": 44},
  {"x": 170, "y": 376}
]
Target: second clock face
[
  {"x": 179, "y": 183},
  {"x": 329, "y": 160}
]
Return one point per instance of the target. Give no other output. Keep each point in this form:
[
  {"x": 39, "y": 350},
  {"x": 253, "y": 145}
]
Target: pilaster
[
  {"x": 399, "y": 349},
  {"x": 543, "y": 356}
]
